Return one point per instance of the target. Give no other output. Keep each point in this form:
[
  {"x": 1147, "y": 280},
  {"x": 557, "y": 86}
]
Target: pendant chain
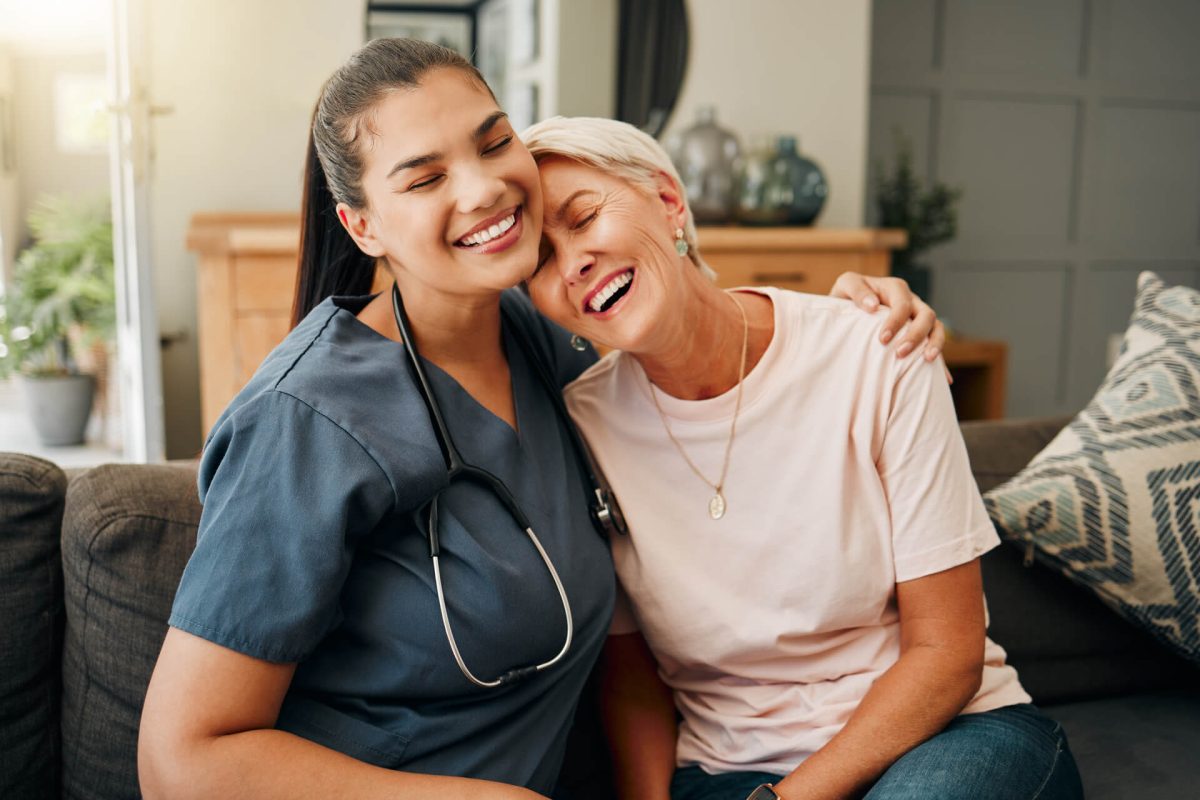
[{"x": 716, "y": 506}]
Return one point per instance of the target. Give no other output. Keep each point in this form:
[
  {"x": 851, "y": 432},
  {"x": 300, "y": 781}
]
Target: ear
[
  {"x": 672, "y": 198},
  {"x": 361, "y": 227}
]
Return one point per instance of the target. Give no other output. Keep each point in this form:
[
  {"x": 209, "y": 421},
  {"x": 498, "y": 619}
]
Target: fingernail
[
  {"x": 931, "y": 353},
  {"x": 904, "y": 350},
  {"x": 885, "y": 337},
  {"x": 871, "y": 303}
]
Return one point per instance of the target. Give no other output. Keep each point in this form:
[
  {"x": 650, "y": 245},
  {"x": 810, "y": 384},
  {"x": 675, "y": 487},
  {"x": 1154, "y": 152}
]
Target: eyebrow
[
  {"x": 479, "y": 132},
  {"x": 562, "y": 209}
]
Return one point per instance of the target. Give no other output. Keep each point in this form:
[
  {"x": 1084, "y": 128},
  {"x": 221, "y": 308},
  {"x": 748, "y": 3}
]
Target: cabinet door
[{"x": 804, "y": 272}]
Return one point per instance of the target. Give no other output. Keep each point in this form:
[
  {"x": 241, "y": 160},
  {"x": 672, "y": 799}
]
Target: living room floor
[{"x": 17, "y": 435}]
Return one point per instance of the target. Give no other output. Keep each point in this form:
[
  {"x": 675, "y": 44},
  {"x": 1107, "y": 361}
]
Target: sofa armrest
[{"x": 31, "y": 617}]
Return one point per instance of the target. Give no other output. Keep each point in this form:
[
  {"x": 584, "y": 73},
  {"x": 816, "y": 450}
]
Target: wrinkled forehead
[{"x": 567, "y": 183}]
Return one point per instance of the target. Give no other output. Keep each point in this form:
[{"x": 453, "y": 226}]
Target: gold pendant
[{"x": 716, "y": 506}]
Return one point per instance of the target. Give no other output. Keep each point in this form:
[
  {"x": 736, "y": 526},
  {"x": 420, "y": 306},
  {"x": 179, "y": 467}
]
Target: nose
[
  {"x": 478, "y": 189},
  {"x": 575, "y": 264}
]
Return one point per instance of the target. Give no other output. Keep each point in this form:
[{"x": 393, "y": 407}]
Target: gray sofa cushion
[
  {"x": 31, "y": 614},
  {"x": 127, "y": 534},
  {"x": 1141, "y": 745},
  {"x": 1065, "y": 643}
]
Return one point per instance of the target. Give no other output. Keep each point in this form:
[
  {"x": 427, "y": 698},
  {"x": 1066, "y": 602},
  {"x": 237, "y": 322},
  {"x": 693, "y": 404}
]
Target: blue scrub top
[{"x": 309, "y": 551}]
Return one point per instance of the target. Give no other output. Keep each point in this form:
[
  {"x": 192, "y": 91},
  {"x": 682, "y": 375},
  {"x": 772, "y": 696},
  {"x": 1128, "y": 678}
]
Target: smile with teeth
[
  {"x": 487, "y": 234},
  {"x": 611, "y": 292}
]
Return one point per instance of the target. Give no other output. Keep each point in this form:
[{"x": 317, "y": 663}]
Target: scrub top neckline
[{"x": 348, "y": 308}]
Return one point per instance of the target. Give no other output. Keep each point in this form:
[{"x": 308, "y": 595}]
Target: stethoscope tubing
[
  {"x": 457, "y": 467},
  {"x": 513, "y": 675}
]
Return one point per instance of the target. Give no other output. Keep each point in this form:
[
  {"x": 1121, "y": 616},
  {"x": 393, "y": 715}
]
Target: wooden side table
[{"x": 980, "y": 371}]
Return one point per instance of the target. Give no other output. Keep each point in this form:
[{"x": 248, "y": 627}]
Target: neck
[
  {"x": 700, "y": 353},
  {"x": 448, "y": 329}
]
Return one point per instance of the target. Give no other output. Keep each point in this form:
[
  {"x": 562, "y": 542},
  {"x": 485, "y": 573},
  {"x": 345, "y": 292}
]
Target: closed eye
[
  {"x": 498, "y": 146},
  {"x": 583, "y": 223},
  {"x": 427, "y": 182}
]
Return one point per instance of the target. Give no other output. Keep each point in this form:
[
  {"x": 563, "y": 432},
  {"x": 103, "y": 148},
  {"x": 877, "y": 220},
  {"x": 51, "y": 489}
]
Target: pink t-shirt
[{"x": 848, "y": 474}]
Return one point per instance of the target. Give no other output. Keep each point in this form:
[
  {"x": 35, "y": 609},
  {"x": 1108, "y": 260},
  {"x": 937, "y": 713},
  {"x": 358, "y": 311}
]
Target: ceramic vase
[
  {"x": 780, "y": 186},
  {"x": 707, "y": 157}
]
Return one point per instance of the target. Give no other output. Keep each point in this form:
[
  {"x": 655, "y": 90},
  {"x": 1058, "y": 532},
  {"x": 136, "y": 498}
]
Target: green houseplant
[
  {"x": 61, "y": 304},
  {"x": 928, "y": 215}
]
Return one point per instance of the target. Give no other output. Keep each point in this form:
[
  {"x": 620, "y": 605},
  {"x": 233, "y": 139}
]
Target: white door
[{"x": 138, "y": 349}]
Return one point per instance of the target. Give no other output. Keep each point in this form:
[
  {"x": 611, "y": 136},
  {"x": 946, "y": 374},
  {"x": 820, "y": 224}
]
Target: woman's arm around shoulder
[{"x": 207, "y": 730}]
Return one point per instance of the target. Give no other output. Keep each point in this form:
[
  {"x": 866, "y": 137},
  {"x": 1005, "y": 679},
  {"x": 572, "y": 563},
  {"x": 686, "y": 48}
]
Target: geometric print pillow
[{"x": 1114, "y": 501}]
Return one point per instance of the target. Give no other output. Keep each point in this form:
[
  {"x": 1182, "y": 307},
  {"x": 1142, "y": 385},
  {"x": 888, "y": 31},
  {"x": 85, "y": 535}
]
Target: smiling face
[
  {"x": 608, "y": 268},
  {"x": 453, "y": 199}
]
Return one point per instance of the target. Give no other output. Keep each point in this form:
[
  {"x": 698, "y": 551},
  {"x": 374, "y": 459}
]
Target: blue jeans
[{"x": 1011, "y": 753}]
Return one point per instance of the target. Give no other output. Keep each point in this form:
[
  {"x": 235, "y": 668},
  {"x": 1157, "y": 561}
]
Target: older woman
[{"x": 804, "y": 532}]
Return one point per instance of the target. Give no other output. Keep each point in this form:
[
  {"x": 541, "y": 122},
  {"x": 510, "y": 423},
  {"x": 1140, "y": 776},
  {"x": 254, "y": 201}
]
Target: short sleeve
[
  {"x": 286, "y": 494},
  {"x": 937, "y": 516}
]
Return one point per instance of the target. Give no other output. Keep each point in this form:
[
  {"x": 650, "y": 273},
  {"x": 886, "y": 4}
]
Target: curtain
[{"x": 652, "y": 55}]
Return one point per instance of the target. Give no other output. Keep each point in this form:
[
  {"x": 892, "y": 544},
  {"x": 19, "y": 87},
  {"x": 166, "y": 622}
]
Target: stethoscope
[{"x": 605, "y": 513}]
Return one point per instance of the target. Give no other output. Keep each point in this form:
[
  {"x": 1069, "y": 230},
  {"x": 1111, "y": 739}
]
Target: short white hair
[{"x": 616, "y": 148}]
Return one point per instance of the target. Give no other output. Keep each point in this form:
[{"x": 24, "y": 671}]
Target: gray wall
[{"x": 1073, "y": 127}]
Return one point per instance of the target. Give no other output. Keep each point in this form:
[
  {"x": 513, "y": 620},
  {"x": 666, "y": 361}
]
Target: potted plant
[
  {"x": 927, "y": 215},
  {"x": 61, "y": 305}
]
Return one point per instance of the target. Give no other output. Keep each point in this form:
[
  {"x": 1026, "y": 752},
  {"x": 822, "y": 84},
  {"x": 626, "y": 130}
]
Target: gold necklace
[{"x": 717, "y": 505}]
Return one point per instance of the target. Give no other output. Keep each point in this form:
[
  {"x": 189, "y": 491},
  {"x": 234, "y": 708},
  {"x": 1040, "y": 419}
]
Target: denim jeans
[{"x": 1011, "y": 753}]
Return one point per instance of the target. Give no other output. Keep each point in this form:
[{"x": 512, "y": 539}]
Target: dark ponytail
[{"x": 330, "y": 261}]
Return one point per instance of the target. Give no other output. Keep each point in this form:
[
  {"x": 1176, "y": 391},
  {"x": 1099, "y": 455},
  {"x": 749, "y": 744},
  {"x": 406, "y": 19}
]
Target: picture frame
[{"x": 450, "y": 26}]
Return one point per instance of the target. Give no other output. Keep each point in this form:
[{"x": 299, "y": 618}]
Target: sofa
[{"x": 89, "y": 564}]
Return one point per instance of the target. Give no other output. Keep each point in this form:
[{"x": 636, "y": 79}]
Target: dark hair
[{"x": 330, "y": 261}]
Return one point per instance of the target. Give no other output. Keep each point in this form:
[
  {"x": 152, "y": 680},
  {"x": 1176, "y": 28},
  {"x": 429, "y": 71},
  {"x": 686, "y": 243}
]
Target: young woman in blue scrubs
[{"x": 307, "y": 654}]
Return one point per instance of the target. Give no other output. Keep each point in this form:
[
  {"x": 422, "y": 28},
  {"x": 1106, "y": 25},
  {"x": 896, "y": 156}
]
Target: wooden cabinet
[
  {"x": 246, "y": 274},
  {"x": 804, "y": 259},
  {"x": 246, "y": 281}
]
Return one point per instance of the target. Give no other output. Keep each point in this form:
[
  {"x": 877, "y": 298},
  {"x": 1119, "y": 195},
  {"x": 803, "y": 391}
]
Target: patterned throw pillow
[{"x": 1114, "y": 501}]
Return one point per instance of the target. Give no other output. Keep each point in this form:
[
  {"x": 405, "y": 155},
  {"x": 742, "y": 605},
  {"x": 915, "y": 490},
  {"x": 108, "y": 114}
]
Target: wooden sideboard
[
  {"x": 246, "y": 282},
  {"x": 246, "y": 276},
  {"x": 804, "y": 259}
]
